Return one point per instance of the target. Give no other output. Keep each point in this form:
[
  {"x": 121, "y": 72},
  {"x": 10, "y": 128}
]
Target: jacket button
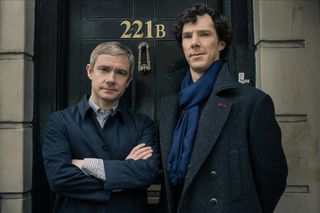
[
  {"x": 214, "y": 201},
  {"x": 104, "y": 147},
  {"x": 213, "y": 173}
]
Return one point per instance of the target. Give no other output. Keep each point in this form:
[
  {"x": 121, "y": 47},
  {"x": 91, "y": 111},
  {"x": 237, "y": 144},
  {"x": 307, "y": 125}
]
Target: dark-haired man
[{"x": 220, "y": 142}]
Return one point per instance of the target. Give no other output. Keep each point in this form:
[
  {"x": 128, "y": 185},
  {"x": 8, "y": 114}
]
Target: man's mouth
[
  {"x": 110, "y": 89},
  {"x": 195, "y": 55}
]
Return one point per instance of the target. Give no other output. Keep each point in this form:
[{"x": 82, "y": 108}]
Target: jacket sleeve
[
  {"x": 267, "y": 156},
  {"x": 133, "y": 174},
  {"x": 64, "y": 178}
]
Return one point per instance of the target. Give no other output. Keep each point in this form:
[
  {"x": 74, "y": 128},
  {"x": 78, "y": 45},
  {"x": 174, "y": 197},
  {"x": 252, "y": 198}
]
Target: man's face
[
  {"x": 109, "y": 77},
  {"x": 201, "y": 45}
]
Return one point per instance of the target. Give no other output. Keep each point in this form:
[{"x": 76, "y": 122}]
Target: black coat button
[
  {"x": 213, "y": 173},
  {"x": 214, "y": 201}
]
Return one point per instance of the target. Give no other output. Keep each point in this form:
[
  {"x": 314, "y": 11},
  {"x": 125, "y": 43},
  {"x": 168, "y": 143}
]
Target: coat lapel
[{"x": 212, "y": 120}]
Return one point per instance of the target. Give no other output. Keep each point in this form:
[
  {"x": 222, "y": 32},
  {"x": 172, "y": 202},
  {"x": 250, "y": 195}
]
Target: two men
[
  {"x": 98, "y": 156},
  {"x": 220, "y": 142}
]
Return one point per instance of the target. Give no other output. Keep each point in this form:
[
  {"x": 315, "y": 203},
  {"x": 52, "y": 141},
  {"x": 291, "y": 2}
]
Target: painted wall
[
  {"x": 287, "y": 34},
  {"x": 16, "y": 104}
]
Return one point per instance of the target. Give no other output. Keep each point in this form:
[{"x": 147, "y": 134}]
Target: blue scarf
[{"x": 190, "y": 96}]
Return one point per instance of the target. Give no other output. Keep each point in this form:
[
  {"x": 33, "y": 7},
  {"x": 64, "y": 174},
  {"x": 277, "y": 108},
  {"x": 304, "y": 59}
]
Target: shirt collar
[
  {"x": 97, "y": 109},
  {"x": 85, "y": 108}
]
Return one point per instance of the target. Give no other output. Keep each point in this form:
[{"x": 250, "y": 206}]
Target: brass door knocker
[{"x": 146, "y": 66}]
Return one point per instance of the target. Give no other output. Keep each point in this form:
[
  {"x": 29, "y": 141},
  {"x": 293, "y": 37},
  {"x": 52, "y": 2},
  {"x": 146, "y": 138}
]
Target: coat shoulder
[{"x": 244, "y": 92}]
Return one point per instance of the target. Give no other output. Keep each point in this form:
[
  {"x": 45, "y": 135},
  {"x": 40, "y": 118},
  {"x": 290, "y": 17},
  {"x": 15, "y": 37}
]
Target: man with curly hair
[{"x": 220, "y": 142}]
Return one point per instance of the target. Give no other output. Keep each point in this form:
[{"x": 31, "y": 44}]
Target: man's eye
[
  {"x": 204, "y": 34},
  {"x": 103, "y": 69},
  {"x": 186, "y": 36},
  {"x": 121, "y": 72}
]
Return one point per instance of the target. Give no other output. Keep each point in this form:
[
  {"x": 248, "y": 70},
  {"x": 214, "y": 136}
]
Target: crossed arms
[{"x": 136, "y": 171}]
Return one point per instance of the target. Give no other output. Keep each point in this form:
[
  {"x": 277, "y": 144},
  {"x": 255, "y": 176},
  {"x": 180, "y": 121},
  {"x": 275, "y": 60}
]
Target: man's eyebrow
[
  {"x": 103, "y": 66},
  {"x": 197, "y": 31},
  {"x": 205, "y": 31}
]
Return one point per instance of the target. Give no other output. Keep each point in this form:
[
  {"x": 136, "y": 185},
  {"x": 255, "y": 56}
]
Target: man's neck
[
  {"x": 102, "y": 104},
  {"x": 196, "y": 75}
]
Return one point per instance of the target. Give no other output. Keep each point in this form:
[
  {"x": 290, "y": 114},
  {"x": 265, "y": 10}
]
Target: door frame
[{"x": 50, "y": 58}]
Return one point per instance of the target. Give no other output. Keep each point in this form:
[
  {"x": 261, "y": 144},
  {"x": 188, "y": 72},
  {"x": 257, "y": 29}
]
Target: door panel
[
  {"x": 106, "y": 8},
  {"x": 168, "y": 8}
]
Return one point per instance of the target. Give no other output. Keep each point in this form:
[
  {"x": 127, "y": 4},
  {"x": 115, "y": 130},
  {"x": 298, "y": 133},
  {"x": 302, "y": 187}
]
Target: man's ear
[
  {"x": 129, "y": 81},
  {"x": 221, "y": 45},
  {"x": 89, "y": 71}
]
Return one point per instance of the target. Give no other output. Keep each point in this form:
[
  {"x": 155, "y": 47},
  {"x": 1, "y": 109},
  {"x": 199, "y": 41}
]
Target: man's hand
[
  {"x": 77, "y": 163},
  {"x": 140, "y": 151}
]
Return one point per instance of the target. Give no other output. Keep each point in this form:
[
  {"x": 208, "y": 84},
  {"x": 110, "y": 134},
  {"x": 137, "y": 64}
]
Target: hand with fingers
[
  {"x": 141, "y": 151},
  {"x": 77, "y": 162}
]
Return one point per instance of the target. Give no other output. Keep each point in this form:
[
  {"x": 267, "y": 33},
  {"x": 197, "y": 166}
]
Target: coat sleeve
[
  {"x": 133, "y": 174},
  {"x": 64, "y": 178},
  {"x": 267, "y": 156}
]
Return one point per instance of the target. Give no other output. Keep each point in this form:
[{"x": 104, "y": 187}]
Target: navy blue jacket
[{"x": 74, "y": 133}]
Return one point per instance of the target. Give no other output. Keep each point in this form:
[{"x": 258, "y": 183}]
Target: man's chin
[
  {"x": 109, "y": 98},
  {"x": 199, "y": 69},
  {"x": 198, "y": 65}
]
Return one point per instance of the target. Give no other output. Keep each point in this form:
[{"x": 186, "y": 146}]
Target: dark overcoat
[{"x": 237, "y": 164}]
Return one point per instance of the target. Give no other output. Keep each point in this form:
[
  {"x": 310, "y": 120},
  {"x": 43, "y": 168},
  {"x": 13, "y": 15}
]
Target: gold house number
[{"x": 160, "y": 29}]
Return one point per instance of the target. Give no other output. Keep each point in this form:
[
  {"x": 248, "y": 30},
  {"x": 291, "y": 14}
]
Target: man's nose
[
  {"x": 110, "y": 77},
  {"x": 194, "y": 41}
]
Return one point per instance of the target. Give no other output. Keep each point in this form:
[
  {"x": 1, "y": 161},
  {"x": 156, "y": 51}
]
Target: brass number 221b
[{"x": 160, "y": 29}]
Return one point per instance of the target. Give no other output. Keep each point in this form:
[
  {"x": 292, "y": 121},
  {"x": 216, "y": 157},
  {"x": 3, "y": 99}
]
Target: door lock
[{"x": 144, "y": 67}]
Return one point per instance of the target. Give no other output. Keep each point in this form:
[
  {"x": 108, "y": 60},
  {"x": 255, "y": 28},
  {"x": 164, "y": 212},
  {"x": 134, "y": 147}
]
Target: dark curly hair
[{"x": 220, "y": 23}]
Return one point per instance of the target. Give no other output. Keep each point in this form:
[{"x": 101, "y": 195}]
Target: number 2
[
  {"x": 139, "y": 25},
  {"x": 128, "y": 26}
]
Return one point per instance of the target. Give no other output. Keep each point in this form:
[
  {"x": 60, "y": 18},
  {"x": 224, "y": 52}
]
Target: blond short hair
[{"x": 112, "y": 48}]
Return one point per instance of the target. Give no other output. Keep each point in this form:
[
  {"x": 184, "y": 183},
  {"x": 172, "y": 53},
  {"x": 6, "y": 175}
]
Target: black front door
[
  {"x": 144, "y": 26},
  {"x": 67, "y": 32}
]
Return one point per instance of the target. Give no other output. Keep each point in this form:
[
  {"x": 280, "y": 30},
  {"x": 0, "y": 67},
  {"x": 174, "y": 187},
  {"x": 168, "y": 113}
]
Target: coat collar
[
  {"x": 85, "y": 108},
  {"x": 223, "y": 81}
]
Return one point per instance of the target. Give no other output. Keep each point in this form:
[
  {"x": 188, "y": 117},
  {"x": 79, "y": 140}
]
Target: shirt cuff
[{"x": 94, "y": 167}]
